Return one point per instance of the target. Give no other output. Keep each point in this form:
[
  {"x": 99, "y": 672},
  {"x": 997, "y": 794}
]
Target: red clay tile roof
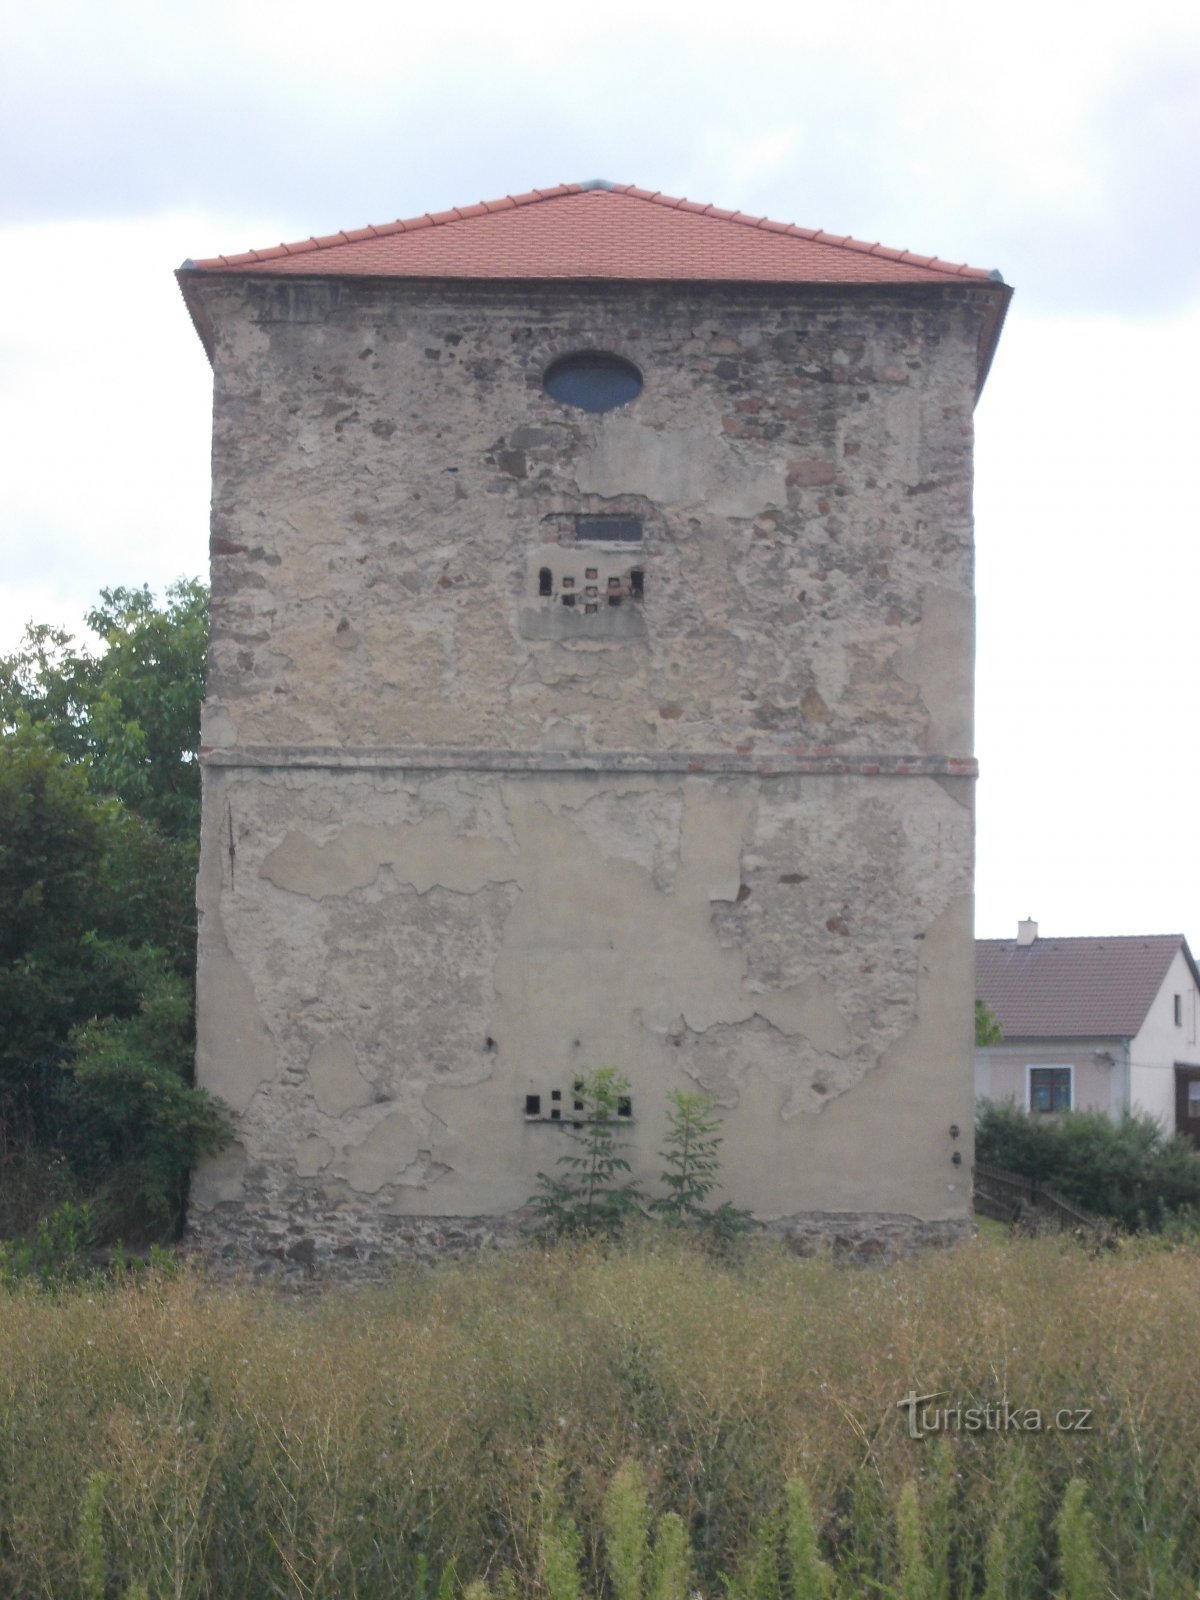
[
  {"x": 1074, "y": 988},
  {"x": 581, "y": 231}
]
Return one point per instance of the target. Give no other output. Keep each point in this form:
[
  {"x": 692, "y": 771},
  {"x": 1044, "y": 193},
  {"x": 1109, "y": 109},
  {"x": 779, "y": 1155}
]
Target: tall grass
[{"x": 476, "y": 1421}]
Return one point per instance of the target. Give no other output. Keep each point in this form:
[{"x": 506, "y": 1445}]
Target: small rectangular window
[
  {"x": 1179, "y": 1011},
  {"x": 533, "y": 1105},
  {"x": 1049, "y": 1089},
  {"x": 609, "y": 530},
  {"x": 637, "y": 583}
]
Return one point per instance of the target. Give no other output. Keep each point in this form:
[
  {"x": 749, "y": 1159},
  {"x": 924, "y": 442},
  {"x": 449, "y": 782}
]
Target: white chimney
[{"x": 1026, "y": 931}]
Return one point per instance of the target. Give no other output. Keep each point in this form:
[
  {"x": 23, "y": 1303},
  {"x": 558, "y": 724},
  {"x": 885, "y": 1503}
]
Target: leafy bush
[
  {"x": 1128, "y": 1170},
  {"x": 133, "y": 1125},
  {"x": 55, "y": 1254}
]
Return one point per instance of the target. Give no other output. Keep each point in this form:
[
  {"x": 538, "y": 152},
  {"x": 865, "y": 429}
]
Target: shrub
[{"x": 1128, "y": 1170}]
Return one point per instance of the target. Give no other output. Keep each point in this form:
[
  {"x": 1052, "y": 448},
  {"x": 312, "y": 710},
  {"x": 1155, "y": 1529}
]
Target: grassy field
[{"x": 236, "y": 1443}]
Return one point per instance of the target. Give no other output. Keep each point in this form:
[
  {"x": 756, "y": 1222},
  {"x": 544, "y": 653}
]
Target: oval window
[{"x": 593, "y": 380}]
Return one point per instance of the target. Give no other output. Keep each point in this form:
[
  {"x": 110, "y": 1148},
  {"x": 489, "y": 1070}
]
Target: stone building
[{"x": 590, "y": 684}]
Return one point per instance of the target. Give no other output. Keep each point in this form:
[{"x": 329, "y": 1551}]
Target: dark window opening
[
  {"x": 568, "y": 583},
  {"x": 590, "y": 609},
  {"x": 555, "y": 1114},
  {"x": 609, "y": 530},
  {"x": 614, "y": 599},
  {"x": 1049, "y": 1088},
  {"x": 614, "y": 583},
  {"x": 1179, "y": 1011},
  {"x": 568, "y": 599},
  {"x": 533, "y": 1105},
  {"x": 593, "y": 380},
  {"x": 545, "y": 581},
  {"x": 637, "y": 583},
  {"x": 591, "y": 573},
  {"x": 556, "y": 1094},
  {"x": 625, "y": 1106}
]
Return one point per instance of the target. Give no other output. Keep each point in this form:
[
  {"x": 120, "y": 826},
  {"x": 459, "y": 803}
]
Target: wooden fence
[{"x": 1007, "y": 1197}]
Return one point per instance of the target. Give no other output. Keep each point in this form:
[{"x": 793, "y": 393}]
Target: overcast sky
[{"x": 1058, "y": 143}]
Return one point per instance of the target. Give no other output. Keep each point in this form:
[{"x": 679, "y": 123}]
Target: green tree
[
  {"x": 130, "y": 710},
  {"x": 692, "y": 1166},
  {"x": 53, "y": 838},
  {"x": 987, "y": 1025},
  {"x": 99, "y": 821},
  {"x": 595, "y": 1193}
]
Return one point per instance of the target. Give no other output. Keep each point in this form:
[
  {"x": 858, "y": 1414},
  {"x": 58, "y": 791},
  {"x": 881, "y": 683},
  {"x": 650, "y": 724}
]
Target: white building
[{"x": 1093, "y": 1024}]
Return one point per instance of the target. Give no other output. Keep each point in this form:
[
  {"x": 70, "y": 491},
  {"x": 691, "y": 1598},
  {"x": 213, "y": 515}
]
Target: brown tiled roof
[
  {"x": 1074, "y": 988},
  {"x": 585, "y": 231}
]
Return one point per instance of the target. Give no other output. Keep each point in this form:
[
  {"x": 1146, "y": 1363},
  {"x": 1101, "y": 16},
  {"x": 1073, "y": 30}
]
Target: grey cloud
[{"x": 201, "y": 127}]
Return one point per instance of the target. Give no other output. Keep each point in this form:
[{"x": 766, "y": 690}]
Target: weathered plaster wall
[
  {"x": 387, "y": 471},
  {"x": 409, "y": 976},
  {"x": 456, "y": 849},
  {"x": 1100, "y": 1080}
]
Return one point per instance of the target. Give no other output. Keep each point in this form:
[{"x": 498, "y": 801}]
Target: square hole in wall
[{"x": 533, "y": 1105}]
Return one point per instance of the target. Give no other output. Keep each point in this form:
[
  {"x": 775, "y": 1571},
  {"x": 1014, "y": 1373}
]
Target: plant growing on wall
[
  {"x": 594, "y": 1193},
  {"x": 693, "y": 1162}
]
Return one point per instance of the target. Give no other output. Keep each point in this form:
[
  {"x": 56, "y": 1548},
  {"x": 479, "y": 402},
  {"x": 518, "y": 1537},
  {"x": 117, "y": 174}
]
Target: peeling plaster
[
  {"x": 685, "y": 467},
  {"x": 393, "y": 957},
  {"x": 337, "y": 1083},
  {"x": 388, "y": 1149},
  {"x": 423, "y": 855}
]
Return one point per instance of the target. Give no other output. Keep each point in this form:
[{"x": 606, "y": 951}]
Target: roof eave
[
  {"x": 1025, "y": 1039},
  {"x": 998, "y": 294},
  {"x": 187, "y": 276},
  {"x": 989, "y": 334}
]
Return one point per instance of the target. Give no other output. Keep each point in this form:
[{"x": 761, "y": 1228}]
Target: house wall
[
  {"x": 1100, "y": 1075},
  {"x": 1161, "y": 1045},
  {"x": 457, "y": 847}
]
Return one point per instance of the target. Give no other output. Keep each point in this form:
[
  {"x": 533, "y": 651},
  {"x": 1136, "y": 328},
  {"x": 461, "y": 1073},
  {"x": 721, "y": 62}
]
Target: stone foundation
[{"x": 325, "y": 1245}]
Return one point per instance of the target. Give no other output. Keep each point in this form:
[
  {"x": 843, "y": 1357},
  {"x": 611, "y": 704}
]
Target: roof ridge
[{"x": 596, "y": 186}]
